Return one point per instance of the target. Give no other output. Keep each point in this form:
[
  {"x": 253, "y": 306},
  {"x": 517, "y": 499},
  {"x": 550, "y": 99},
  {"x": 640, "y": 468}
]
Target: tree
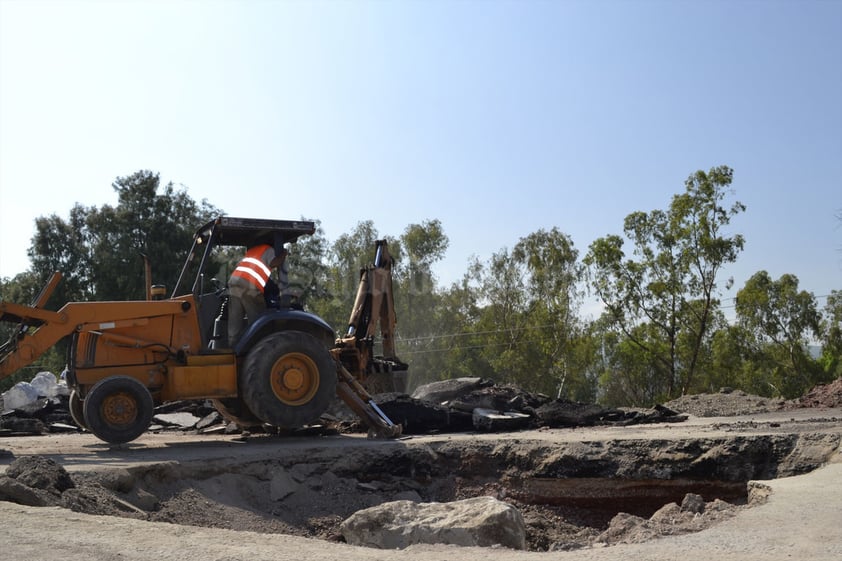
[
  {"x": 100, "y": 251},
  {"x": 144, "y": 222},
  {"x": 503, "y": 321},
  {"x": 64, "y": 247},
  {"x": 418, "y": 301},
  {"x": 453, "y": 348},
  {"x": 832, "y": 335},
  {"x": 308, "y": 270},
  {"x": 424, "y": 245},
  {"x": 670, "y": 286},
  {"x": 550, "y": 260},
  {"x": 530, "y": 299},
  {"x": 631, "y": 373},
  {"x": 783, "y": 321}
]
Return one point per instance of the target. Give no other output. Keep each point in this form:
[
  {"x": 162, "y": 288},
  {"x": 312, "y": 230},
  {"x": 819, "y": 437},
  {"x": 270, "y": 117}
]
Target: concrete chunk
[
  {"x": 481, "y": 521},
  {"x": 499, "y": 421}
]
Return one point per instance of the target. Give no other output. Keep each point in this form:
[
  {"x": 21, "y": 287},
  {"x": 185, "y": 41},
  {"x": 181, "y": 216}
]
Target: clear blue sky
[{"x": 497, "y": 118}]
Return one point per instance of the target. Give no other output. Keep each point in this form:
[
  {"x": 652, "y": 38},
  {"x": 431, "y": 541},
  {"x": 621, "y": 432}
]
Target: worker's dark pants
[{"x": 244, "y": 304}]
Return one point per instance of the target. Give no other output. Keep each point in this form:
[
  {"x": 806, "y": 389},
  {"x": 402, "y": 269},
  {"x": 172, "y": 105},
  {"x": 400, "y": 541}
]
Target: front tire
[
  {"x": 288, "y": 379},
  {"x": 118, "y": 409}
]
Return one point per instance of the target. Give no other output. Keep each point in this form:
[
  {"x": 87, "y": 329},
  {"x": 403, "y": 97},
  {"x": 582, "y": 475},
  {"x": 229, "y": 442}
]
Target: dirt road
[{"x": 802, "y": 518}]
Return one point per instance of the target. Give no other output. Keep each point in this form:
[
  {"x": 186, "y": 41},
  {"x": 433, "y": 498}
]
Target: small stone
[{"x": 693, "y": 503}]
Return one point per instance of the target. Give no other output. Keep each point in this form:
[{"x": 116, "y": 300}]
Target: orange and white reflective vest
[{"x": 254, "y": 267}]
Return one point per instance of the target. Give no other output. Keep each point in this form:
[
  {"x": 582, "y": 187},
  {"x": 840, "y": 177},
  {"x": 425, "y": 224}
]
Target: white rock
[{"x": 481, "y": 521}]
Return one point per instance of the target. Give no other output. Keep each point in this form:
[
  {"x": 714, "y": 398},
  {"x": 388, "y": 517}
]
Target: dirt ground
[{"x": 324, "y": 479}]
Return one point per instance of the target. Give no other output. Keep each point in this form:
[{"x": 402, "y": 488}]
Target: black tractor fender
[{"x": 273, "y": 321}]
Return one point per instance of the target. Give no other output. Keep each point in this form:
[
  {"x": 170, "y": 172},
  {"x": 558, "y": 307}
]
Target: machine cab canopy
[{"x": 227, "y": 231}]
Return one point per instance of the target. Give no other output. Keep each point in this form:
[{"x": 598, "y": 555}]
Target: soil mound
[
  {"x": 828, "y": 395},
  {"x": 732, "y": 403},
  {"x": 726, "y": 403}
]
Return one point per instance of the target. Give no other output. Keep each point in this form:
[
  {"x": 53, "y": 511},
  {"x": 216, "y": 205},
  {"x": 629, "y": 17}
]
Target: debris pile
[
  {"x": 36, "y": 407},
  {"x": 456, "y": 405},
  {"x": 35, "y": 481},
  {"x": 827, "y": 395},
  {"x": 465, "y": 404}
]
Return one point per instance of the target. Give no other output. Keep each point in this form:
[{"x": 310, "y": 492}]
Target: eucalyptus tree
[
  {"x": 783, "y": 321},
  {"x": 832, "y": 334},
  {"x": 669, "y": 284},
  {"x": 423, "y": 246},
  {"x": 530, "y": 298}
]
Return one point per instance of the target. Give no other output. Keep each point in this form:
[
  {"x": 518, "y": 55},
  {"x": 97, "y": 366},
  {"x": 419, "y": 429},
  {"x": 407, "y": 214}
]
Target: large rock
[
  {"x": 481, "y": 521},
  {"x": 446, "y": 390}
]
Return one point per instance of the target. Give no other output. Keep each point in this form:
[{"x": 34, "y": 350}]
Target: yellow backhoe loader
[{"x": 127, "y": 357}]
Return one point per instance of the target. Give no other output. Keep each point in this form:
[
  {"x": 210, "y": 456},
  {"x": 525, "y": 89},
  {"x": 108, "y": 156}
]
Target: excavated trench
[{"x": 570, "y": 494}]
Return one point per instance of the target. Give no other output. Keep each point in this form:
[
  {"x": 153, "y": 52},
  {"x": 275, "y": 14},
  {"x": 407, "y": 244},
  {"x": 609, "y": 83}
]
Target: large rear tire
[
  {"x": 118, "y": 409},
  {"x": 288, "y": 379}
]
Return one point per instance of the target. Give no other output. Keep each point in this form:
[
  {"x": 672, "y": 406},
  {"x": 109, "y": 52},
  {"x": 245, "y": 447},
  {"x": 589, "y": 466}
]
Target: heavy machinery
[{"x": 126, "y": 357}]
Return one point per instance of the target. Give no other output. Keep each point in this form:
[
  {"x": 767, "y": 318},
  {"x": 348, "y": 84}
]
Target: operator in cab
[{"x": 248, "y": 285}]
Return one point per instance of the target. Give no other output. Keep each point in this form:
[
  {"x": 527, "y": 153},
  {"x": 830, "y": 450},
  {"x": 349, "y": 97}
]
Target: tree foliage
[
  {"x": 662, "y": 298},
  {"x": 782, "y": 321},
  {"x": 528, "y": 319},
  {"x": 308, "y": 269},
  {"x": 832, "y": 335},
  {"x": 515, "y": 317},
  {"x": 100, "y": 251}
]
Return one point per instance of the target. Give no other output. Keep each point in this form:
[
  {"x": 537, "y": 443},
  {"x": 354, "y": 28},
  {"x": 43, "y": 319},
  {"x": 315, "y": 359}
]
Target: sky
[{"x": 498, "y": 118}]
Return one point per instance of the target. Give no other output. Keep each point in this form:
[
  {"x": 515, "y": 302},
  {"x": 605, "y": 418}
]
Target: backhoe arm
[
  {"x": 27, "y": 343},
  {"x": 23, "y": 347},
  {"x": 374, "y": 304}
]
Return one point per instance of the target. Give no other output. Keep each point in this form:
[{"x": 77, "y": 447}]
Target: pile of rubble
[
  {"x": 457, "y": 405},
  {"x": 465, "y": 404},
  {"x": 827, "y": 395},
  {"x": 36, "y": 407}
]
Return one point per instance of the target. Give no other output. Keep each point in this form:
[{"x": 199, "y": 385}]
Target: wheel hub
[
  {"x": 119, "y": 409},
  {"x": 294, "y": 378}
]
